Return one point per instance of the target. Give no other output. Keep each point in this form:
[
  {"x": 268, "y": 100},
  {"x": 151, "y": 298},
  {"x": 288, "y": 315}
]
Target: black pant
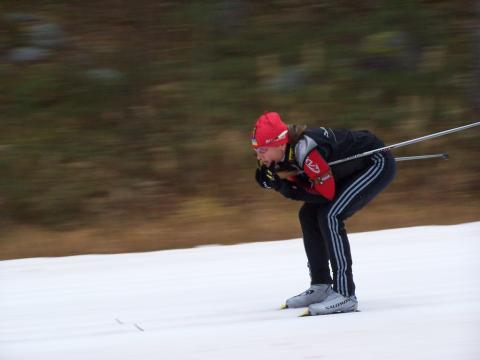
[{"x": 324, "y": 234}]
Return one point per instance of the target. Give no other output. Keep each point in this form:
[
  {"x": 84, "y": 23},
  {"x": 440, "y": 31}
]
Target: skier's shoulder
[
  {"x": 322, "y": 134},
  {"x": 313, "y": 138},
  {"x": 340, "y": 137},
  {"x": 331, "y": 140}
]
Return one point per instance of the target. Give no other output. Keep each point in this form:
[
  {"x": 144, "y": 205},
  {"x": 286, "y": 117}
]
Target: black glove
[
  {"x": 294, "y": 192},
  {"x": 287, "y": 189},
  {"x": 266, "y": 178}
]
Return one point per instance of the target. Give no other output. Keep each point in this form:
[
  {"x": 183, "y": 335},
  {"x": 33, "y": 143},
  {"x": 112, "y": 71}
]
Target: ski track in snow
[{"x": 418, "y": 291}]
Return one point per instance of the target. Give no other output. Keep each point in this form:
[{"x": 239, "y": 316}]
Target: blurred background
[{"x": 125, "y": 125}]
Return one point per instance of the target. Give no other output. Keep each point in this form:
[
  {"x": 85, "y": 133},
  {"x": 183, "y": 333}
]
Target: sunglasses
[{"x": 261, "y": 150}]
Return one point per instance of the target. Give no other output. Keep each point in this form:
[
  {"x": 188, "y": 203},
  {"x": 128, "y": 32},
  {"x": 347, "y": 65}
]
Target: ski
[{"x": 307, "y": 313}]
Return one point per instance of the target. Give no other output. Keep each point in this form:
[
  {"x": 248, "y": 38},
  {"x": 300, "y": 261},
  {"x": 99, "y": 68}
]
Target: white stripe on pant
[{"x": 339, "y": 205}]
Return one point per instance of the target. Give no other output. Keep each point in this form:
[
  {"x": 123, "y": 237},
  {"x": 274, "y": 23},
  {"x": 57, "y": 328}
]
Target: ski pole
[
  {"x": 405, "y": 143},
  {"x": 444, "y": 156},
  {"x": 283, "y": 174}
]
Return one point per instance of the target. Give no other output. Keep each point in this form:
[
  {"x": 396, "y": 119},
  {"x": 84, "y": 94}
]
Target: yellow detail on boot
[{"x": 305, "y": 313}]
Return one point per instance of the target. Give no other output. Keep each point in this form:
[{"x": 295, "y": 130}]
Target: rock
[
  {"x": 389, "y": 50},
  {"x": 289, "y": 79},
  {"x": 20, "y": 17},
  {"x": 27, "y": 54},
  {"x": 48, "y": 35},
  {"x": 231, "y": 14},
  {"x": 104, "y": 74}
]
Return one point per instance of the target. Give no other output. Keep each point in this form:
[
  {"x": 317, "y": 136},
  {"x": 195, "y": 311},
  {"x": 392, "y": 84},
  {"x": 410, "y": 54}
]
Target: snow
[{"x": 418, "y": 291}]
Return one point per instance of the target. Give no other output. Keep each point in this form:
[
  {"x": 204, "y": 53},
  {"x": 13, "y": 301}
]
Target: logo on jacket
[
  {"x": 312, "y": 166},
  {"x": 325, "y": 132}
]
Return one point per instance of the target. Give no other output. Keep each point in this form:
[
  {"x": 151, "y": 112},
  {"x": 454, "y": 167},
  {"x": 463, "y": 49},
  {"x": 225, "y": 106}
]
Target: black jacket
[{"x": 332, "y": 144}]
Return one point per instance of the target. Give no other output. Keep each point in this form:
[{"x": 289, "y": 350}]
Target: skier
[{"x": 293, "y": 160}]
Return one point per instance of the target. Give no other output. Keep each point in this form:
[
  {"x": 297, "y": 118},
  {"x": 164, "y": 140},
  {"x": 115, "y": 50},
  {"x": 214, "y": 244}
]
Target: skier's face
[{"x": 270, "y": 154}]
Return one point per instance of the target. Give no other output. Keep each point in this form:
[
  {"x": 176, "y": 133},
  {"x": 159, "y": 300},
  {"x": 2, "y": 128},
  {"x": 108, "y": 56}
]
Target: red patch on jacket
[{"x": 318, "y": 171}]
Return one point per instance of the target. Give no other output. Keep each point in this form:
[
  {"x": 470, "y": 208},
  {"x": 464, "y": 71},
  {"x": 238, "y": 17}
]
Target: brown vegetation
[{"x": 133, "y": 133}]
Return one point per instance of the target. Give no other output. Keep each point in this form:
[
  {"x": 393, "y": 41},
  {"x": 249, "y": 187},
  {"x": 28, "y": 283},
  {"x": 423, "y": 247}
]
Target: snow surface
[{"x": 418, "y": 291}]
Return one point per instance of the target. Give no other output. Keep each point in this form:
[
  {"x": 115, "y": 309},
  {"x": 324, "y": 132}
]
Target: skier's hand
[{"x": 266, "y": 178}]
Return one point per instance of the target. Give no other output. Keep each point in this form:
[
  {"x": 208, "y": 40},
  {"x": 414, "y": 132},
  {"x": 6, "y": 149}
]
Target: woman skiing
[{"x": 293, "y": 160}]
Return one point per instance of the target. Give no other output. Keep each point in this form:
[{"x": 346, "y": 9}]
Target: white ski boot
[
  {"x": 334, "y": 303},
  {"x": 315, "y": 294}
]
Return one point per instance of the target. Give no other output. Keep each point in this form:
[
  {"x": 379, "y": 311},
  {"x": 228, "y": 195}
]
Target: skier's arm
[
  {"x": 319, "y": 174},
  {"x": 294, "y": 192}
]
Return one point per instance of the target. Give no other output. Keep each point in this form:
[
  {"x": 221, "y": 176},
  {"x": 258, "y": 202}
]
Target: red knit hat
[{"x": 269, "y": 130}]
